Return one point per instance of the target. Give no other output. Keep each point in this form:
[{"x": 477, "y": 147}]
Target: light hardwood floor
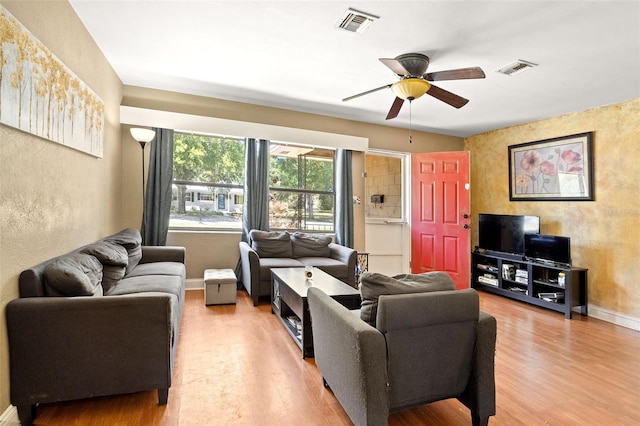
[{"x": 236, "y": 365}]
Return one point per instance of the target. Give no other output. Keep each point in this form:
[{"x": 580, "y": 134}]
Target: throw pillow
[
  {"x": 76, "y": 274},
  {"x": 271, "y": 244},
  {"x": 114, "y": 259},
  {"x": 310, "y": 245},
  {"x": 108, "y": 253},
  {"x": 373, "y": 285},
  {"x": 131, "y": 240},
  {"x": 111, "y": 276}
]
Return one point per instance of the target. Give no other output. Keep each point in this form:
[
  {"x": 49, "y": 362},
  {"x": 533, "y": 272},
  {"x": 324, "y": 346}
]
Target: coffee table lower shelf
[{"x": 289, "y": 301}]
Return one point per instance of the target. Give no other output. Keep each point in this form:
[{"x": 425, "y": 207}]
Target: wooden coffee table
[{"x": 289, "y": 301}]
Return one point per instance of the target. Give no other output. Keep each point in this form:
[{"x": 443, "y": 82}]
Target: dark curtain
[
  {"x": 344, "y": 198},
  {"x": 255, "y": 211},
  {"x": 157, "y": 202}
]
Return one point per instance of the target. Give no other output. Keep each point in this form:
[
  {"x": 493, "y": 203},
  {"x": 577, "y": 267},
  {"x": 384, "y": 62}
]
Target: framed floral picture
[{"x": 559, "y": 169}]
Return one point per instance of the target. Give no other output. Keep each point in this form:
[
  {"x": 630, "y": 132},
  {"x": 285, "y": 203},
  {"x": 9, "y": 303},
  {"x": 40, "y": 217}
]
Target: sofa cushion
[
  {"x": 114, "y": 259},
  {"x": 108, "y": 253},
  {"x": 150, "y": 284},
  {"x": 158, "y": 268},
  {"x": 373, "y": 285},
  {"x": 310, "y": 245},
  {"x": 271, "y": 243},
  {"x": 267, "y": 263},
  {"x": 111, "y": 276},
  {"x": 75, "y": 274},
  {"x": 131, "y": 240},
  {"x": 331, "y": 266}
]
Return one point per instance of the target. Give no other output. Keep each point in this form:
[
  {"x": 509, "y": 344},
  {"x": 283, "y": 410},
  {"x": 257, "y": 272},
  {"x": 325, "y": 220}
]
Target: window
[
  {"x": 208, "y": 190},
  {"x": 301, "y": 195},
  {"x": 206, "y": 169}
]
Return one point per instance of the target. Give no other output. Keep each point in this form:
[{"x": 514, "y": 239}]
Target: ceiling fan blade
[
  {"x": 447, "y": 97},
  {"x": 366, "y": 93},
  {"x": 395, "y": 66},
  {"x": 459, "y": 74},
  {"x": 395, "y": 108}
]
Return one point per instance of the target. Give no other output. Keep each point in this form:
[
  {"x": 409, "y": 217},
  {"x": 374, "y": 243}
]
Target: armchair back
[
  {"x": 425, "y": 347},
  {"x": 430, "y": 339}
]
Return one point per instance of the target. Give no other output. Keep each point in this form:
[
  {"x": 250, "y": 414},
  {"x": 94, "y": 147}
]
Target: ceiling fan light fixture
[{"x": 410, "y": 88}]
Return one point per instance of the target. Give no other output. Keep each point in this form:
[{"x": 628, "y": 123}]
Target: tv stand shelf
[{"x": 531, "y": 282}]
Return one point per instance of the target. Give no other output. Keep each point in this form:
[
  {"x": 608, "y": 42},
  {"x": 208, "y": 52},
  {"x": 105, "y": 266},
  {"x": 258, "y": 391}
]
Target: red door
[{"x": 440, "y": 214}]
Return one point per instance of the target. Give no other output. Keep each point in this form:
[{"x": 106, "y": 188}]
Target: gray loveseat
[
  {"x": 429, "y": 342},
  {"x": 266, "y": 250},
  {"x": 103, "y": 319}
]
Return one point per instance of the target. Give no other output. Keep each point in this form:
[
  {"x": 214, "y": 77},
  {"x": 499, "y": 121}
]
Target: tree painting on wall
[{"x": 40, "y": 95}]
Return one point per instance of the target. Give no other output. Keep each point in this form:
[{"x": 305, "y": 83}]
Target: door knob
[
  {"x": 465, "y": 216},
  {"x": 466, "y": 226}
]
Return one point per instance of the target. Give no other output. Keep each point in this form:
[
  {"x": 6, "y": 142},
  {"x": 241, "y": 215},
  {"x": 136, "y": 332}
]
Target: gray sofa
[
  {"x": 103, "y": 319},
  {"x": 428, "y": 343},
  {"x": 266, "y": 250}
]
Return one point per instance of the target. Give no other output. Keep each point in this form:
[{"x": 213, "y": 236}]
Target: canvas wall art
[
  {"x": 552, "y": 169},
  {"x": 40, "y": 95}
]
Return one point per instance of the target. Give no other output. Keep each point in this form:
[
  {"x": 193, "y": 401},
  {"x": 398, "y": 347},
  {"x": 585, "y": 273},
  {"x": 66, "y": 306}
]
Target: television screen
[
  {"x": 550, "y": 248},
  {"x": 505, "y": 233}
]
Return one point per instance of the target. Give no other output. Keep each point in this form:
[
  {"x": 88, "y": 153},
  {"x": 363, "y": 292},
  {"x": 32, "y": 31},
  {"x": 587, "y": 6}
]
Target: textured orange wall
[{"x": 605, "y": 235}]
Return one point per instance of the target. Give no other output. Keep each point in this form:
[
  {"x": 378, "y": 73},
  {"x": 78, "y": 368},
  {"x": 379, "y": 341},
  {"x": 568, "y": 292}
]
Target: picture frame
[{"x": 558, "y": 169}]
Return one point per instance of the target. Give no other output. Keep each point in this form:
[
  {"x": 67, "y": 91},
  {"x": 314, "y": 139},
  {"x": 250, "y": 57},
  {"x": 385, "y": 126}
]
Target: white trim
[
  {"x": 194, "y": 284},
  {"x": 10, "y": 416},
  {"x": 211, "y": 125},
  {"x": 614, "y": 317}
]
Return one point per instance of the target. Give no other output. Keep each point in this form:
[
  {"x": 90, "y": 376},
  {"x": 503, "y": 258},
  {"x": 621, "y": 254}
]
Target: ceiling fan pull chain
[{"x": 410, "y": 137}]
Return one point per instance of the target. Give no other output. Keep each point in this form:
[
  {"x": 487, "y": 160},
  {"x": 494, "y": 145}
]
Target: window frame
[
  {"x": 229, "y": 202},
  {"x": 302, "y": 191}
]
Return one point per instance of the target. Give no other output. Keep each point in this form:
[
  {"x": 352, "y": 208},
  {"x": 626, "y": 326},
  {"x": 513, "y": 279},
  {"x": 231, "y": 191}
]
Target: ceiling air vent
[
  {"x": 516, "y": 67},
  {"x": 356, "y": 21}
]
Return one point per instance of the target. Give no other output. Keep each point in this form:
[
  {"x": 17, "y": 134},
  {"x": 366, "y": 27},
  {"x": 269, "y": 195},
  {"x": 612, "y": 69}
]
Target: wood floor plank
[{"x": 236, "y": 365}]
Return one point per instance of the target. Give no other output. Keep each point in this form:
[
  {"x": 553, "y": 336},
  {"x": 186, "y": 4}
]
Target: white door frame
[{"x": 402, "y": 223}]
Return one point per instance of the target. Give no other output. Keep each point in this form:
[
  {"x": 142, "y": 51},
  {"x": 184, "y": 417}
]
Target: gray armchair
[{"x": 425, "y": 347}]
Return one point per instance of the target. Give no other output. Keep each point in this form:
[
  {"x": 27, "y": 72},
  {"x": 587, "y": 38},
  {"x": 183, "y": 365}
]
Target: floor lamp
[{"x": 143, "y": 137}]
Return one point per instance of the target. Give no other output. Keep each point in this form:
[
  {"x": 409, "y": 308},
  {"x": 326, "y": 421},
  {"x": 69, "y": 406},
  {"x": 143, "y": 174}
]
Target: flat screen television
[
  {"x": 548, "y": 248},
  {"x": 505, "y": 233}
]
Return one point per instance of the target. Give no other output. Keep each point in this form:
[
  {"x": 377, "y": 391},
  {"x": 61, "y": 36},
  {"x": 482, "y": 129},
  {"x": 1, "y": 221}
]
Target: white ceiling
[{"x": 290, "y": 54}]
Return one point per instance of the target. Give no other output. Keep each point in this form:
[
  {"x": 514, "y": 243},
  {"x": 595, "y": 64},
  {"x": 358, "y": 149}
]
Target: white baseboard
[
  {"x": 194, "y": 284},
  {"x": 614, "y": 317},
  {"x": 10, "y": 416}
]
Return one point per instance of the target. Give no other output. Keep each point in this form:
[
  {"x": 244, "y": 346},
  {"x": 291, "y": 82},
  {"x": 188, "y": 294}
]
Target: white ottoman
[{"x": 219, "y": 286}]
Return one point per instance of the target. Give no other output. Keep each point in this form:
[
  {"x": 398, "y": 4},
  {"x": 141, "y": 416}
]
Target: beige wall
[
  {"x": 211, "y": 250},
  {"x": 604, "y": 233},
  {"x": 53, "y": 198}
]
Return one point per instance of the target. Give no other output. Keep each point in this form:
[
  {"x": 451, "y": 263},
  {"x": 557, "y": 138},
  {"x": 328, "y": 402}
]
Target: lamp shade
[
  {"x": 410, "y": 88},
  {"x": 143, "y": 135}
]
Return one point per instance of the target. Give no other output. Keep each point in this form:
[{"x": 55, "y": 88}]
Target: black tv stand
[{"x": 530, "y": 281}]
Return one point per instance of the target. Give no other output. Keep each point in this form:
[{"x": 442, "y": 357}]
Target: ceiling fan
[{"x": 414, "y": 81}]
